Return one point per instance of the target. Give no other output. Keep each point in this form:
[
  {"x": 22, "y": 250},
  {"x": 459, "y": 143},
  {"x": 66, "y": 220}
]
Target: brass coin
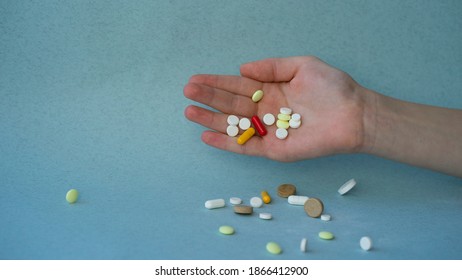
[
  {"x": 286, "y": 190},
  {"x": 243, "y": 209},
  {"x": 314, "y": 207}
]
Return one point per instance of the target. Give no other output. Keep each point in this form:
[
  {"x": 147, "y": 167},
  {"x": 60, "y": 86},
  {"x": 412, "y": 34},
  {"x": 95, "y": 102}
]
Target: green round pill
[
  {"x": 273, "y": 248},
  {"x": 72, "y": 196},
  {"x": 326, "y": 235},
  {"x": 226, "y": 230}
]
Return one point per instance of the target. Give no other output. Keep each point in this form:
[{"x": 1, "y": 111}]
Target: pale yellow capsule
[
  {"x": 265, "y": 197},
  {"x": 246, "y": 136}
]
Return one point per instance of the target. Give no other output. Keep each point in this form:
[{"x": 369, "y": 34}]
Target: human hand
[{"x": 329, "y": 101}]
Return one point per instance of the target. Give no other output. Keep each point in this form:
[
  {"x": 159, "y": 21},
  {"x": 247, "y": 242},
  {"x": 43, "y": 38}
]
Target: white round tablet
[
  {"x": 233, "y": 120},
  {"x": 244, "y": 123},
  {"x": 235, "y": 200},
  {"x": 256, "y": 202},
  {"x": 303, "y": 245},
  {"x": 296, "y": 117},
  {"x": 366, "y": 243},
  {"x": 285, "y": 111},
  {"x": 269, "y": 119},
  {"x": 294, "y": 123},
  {"x": 265, "y": 216},
  {"x": 347, "y": 186},
  {"x": 232, "y": 130},
  {"x": 281, "y": 133}
]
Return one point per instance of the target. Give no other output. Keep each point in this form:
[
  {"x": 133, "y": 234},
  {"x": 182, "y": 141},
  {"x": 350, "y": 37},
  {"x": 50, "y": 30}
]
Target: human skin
[{"x": 338, "y": 116}]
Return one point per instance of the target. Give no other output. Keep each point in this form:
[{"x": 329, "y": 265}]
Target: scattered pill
[
  {"x": 265, "y": 216},
  {"x": 347, "y": 186},
  {"x": 326, "y": 235},
  {"x": 256, "y": 202},
  {"x": 273, "y": 248},
  {"x": 325, "y": 217},
  {"x": 226, "y": 230},
  {"x": 243, "y": 209},
  {"x": 303, "y": 245},
  {"x": 296, "y": 117},
  {"x": 314, "y": 207},
  {"x": 235, "y": 200},
  {"x": 215, "y": 203},
  {"x": 282, "y": 124},
  {"x": 366, "y": 243},
  {"x": 72, "y": 195},
  {"x": 294, "y": 124},
  {"x": 286, "y": 190},
  {"x": 257, "y": 96},
  {"x": 281, "y": 133},
  {"x": 233, "y": 120},
  {"x": 285, "y": 111},
  {"x": 265, "y": 197},
  {"x": 269, "y": 119},
  {"x": 297, "y": 199},
  {"x": 244, "y": 123},
  {"x": 261, "y": 129},
  {"x": 246, "y": 136},
  {"x": 283, "y": 117},
  {"x": 232, "y": 130}
]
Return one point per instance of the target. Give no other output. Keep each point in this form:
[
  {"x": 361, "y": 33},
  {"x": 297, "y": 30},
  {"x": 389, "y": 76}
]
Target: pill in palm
[
  {"x": 233, "y": 120},
  {"x": 269, "y": 119},
  {"x": 232, "y": 130},
  {"x": 281, "y": 133},
  {"x": 257, "y": 96},
  {"x": 244, "y": 123},
  {"x": 285, "y": 111},
  {"x": 294, "y": 123},
  {"x": 296, "y": 117},
  {"x": 283, "y": 117},
  {"x": 282, "y": 124},
  {"x": 246, "y": 136},
  {"x": 215, "y": 203},
  {"x": 259, "y": 126}
]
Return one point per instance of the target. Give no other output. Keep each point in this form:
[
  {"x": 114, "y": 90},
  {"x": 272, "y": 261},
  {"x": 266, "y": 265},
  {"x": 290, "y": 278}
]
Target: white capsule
[
  {"x": 265, "y": 216},
  {"x": 235, "y": 200},
  {"x": 244, "y": 123},
  {"x": 232, "y": 130},
  {"x": 281, "y": 133},
  {"x": 215, "y": 203},
  {"x": 365, "y": 243},
  {"x": 303, "y": 245},
  {"x": 297, "y": 199},
  {"x": 269, "y": 119},
  {"x": 325, "y": 217},
  {"x": 294, "y": 124},
  {"x": 233, "y": 120},
  {"x": 256, "y": 202},
  {"x": 296, "y": 117},
  {"x": 285, "y": 111}
]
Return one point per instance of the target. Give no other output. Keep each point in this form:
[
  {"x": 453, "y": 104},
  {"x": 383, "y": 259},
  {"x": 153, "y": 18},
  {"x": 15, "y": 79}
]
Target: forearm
[{"x": 421, "y": 135}]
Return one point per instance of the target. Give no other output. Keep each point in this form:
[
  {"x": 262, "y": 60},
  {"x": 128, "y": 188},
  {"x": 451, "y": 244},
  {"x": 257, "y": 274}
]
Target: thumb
[{"x": 273, "y": 69}]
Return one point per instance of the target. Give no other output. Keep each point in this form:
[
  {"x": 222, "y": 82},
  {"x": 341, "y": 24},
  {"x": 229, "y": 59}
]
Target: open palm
[{"x": 329, "y": 101}]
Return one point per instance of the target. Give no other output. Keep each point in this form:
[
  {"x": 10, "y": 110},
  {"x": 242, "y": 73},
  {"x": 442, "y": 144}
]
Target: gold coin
[
  {"x": 286, "y": 190},
  {"x": 314, "y": 207},
  {"x": 243, "y": 209}
]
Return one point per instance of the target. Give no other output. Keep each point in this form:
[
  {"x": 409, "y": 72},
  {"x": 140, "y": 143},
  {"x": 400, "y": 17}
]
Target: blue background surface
[{"x": 91, "y": 98}]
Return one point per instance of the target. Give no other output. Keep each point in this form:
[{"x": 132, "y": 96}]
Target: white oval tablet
[
  {"x": 235, "y": 200},
  {"x": 244, "y": 123},
  {"x": 232, "y": 130},
  {"x": 256, "y": 202},
  {"x": 297, "y": 199},
  {"x": 265, "y": 216},
  {"x": 233, "y": 120},
  {"x": 269, "y": 119},
  {"x": 365, "y": 243},
  {"x": 347, "y": 186},
  {"x": 281, "y": 133}
]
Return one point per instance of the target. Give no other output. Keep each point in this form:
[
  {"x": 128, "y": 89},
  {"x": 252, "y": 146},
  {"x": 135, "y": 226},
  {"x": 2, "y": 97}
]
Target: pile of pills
[
  {"x": 285, "y": 121},
  {"x": 313, "y": 207}
]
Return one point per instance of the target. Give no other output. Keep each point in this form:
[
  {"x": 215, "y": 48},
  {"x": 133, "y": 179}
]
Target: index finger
[{"x": 235, "y": 84}]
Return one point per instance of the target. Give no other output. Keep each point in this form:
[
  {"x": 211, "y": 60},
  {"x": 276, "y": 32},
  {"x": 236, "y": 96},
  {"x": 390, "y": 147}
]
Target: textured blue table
[{"x": 91, "y": 98}]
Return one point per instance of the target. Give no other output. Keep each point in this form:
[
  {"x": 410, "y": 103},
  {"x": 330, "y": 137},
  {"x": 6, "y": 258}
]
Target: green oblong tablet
[
  {"x": 72, "y": 196},
  {"x": 326, "y": 235},
  {"x": 226, "y": 230},
  {"x": 273, "y": 248},
  {"x": 257, "y": 96}
]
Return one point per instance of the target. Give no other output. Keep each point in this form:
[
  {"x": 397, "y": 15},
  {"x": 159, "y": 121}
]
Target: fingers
[
  {"x": 233, "y": 84},
  {"x": 222, "y": 100},
  {"x": 274, "y": 69}
]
